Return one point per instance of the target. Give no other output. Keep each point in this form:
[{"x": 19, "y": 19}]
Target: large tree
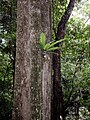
[{"x": 32, "y": 86}]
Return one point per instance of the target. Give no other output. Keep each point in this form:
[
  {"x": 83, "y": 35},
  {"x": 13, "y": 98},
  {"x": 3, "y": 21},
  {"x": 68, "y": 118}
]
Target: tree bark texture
[
  {"x": 57, "y": 104},
  {"x": 32, "y": 86}
]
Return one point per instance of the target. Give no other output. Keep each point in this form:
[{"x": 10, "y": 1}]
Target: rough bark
[
  {"x": 32, "y": 86},
  {"x": 57, "y": 103}
]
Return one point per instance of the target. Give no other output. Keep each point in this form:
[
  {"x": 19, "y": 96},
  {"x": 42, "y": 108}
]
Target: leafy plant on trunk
[{"x": 48, "y": 46}]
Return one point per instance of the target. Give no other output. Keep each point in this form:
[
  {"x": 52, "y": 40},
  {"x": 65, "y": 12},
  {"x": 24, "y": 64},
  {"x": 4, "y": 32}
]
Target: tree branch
[{"x": 64, "y": 20}]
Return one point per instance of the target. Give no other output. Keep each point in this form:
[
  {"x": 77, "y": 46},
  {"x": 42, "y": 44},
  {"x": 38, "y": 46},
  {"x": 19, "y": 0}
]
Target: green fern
[{"x": 48, "y": 46}]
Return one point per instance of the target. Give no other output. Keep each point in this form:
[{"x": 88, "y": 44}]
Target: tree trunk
[
  {"x": 32, "y": 86},
  {"x": 57, "y": 103}
]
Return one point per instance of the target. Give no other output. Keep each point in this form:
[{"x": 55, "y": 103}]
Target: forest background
[{"x": 75, "y": 57}]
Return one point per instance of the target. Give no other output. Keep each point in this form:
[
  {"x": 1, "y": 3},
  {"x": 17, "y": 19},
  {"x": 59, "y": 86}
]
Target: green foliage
[
  {"x": 48, "y": 46},
  {"x": 7, "y": 53},
  {"x": 58, "y": 9},
  {"x": 6, "y": 80},
  {"x": 76, "y": 64}
]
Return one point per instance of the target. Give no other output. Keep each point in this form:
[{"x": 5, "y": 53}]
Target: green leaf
[
  {"x": 54, "y": 43},
  {"x": 46, "y": 46},
  {"x": 53, "y": 48},
  {"x": 42, "y": 39}
]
